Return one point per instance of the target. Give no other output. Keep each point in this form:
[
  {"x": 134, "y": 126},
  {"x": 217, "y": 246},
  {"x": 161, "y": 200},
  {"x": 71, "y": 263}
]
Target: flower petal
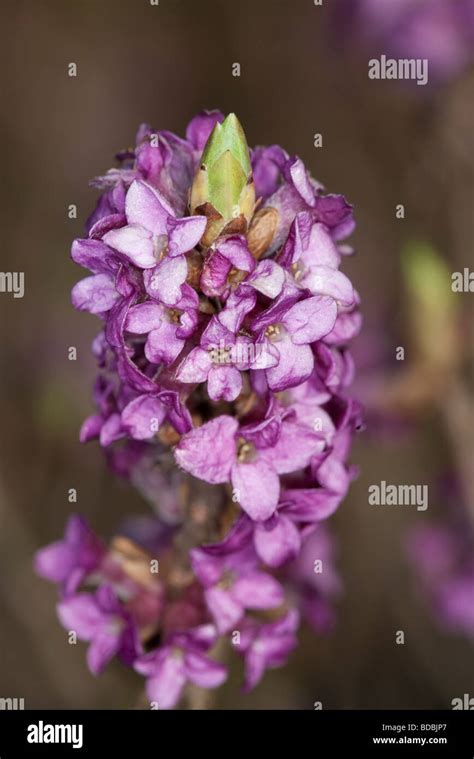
[
  {"x": 295, "y": 365},
  {"x": 257, "y": 487},
  {"x": 162, "y": 345},
  {"x": 293, "y": 450},
  {"x": 208, "y": 451},
  {"x": 224, "y": 383},
  {"x": 165, "y": 280},
  {"x": 268, "y": 278},
  {"x": 203, "y": 671},
  {"x": 201, "y": 126},
  {"x": 195, "y": 367},
  {"x": 142, "y": 417},
  {"x": 225, "y": 609},
  {"x": 324, "y": 280},
  {"x": 310, "y": 319},
  {"x": 258, "y": 590},
  {"x": 102, "y": 649},
  {"x": 143, "y": 318},
  {"x": 81, "y": 614},
  {"x": 277, "y": 540},
  {"x": 96, "y": 294},
  {"x": 94, "y": 255},
  {"x": 135, "y": 242},
  {"x": 145, "y": 206},
  {"x": 184, "y": 234},
  {"x": 166, "y": 685},
  {"x": 235, "y": 250}
]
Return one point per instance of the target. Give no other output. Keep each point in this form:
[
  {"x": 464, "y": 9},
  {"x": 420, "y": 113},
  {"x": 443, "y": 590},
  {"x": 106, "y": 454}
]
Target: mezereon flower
[{"x": 222, "y": 395}]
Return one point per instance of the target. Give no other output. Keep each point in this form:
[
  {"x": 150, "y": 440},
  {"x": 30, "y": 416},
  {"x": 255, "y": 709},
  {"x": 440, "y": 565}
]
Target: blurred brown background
[{"x": 383, "y": 144}]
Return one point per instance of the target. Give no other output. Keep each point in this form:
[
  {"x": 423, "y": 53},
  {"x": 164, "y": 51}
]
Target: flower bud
[{"x": 223, "y": 188}]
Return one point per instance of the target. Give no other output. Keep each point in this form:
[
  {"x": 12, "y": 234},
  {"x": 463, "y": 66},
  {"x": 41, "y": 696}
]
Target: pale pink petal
[
  {"x": 144, "y": 205},
  {"x": 256, "y": 487},
  {"x": 224, "y": 383},
  {"x": 208, "y": 451},
  {"x": 195, "y": 366},
  {"x": 258, "y": 590},
  {"x": 310, "y": 319},
  {"x": 184, "y": 234},
  {"x": 143, "y": 318},
  {"x": 164, "y": 688},
  {"x": 164, "y": 282},
  {"x": 225, "y": 610},
  {"x": 277, "y": 540},
  {"x": 203, "y": 671},
  {"x": 135, "y": 242},
  {"x": 295, "y": 365}
]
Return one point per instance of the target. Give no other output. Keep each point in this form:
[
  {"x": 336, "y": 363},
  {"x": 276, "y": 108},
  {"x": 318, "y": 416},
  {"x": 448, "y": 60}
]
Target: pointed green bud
[
  {"x": 223, "y": 188},
  {"x": 228, "y": 136}
]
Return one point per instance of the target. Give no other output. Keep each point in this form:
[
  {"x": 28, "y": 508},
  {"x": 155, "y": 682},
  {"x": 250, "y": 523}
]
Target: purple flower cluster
[{"x": 223, "y": 362}]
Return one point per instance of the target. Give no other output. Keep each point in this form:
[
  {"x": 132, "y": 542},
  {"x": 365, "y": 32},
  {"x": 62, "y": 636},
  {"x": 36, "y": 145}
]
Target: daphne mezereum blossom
[{"x": 223, "y": 396}]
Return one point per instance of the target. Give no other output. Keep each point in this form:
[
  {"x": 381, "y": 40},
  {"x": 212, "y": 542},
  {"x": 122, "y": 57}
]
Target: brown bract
[{"x": 262, "y": 230}]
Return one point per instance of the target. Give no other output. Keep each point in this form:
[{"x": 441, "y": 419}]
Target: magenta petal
[
  {"x": 195, "y": 367},
  {"x": 203, "y": 671},
  {"x": 81, "y": 614},
  {"x": 321, "y": 249},
  {"x": 333, "y": 475},
  {"x": 277, "y": 541},
  {"x": 166, "y": 685},
  {"x": 208, "y": 451},
  {"x": 310, "y": 319},
  {"x": 145, "y": 206},
  {"x": 310, "y": 504},
  {"x": 235, "y": 250},
  {"x": 135, "y": 242},
  {"x": 91, "y": 428},
  {"x": 143, "y": 318},
  {"x": 224, "y": 383},
  {"x": 201, "y": 126},
  {"x": 162, "y": 345},
  {"x": 105, "y": 224},
  {"x": 257, "y": 488},
  {"x": 184, "y": 234},
  {"x": 214, "y": 274},
  {"x": 96, "y": 294},
  {"x": 299, "y": 177},
  {"x": 268, "y": 278},
  {"x": 207, "y": 567},
  {"x": 295, "y": 365},
  {"x": 102, "y": 649},
  {"x": 55, "y": 562},
  {"x": 347, "y": 326},
  {"x": 255, "y": 667},
  {"x": 266, "y": 355},
  {"x": 216, "y": 335},
  {"x": 226, "y": 611},
  {"x": 150, "y": 663},
  {"x": 142, "y": 417},
  {"x": 263, "y": 434},
  {"x": 238, "y": 305},
  {"x": 111, "y": 430},
  {"x": 164, "y": 282},
  {"x": 258, "y": 590},
  {"x": 294, "y": 449},
  {"x": 93, "y": 255},
  {"x": 323, "y": 280}
]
